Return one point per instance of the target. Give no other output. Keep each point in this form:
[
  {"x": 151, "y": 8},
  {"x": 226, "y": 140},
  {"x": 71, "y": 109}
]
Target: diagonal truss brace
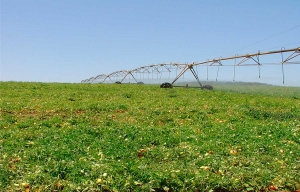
[
  {"x": 168, "y": 68},
  {"x": 250, "y": 57},
  {"x": 129, "y": 73},
  {"x": 195, "y": 75},
  {"x": 188, "y": 67},
  {"x": 216, "y": 61},
  {"x": 180, "y": 74},
  {"x": 292, "y": 56}
]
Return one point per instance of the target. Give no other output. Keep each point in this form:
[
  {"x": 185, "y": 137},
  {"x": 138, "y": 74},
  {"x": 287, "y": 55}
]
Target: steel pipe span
[{"x": 156, "y": 71}]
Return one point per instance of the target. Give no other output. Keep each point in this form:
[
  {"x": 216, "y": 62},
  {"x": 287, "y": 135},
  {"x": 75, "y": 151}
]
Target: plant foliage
[{"x": 100, "y": 137}]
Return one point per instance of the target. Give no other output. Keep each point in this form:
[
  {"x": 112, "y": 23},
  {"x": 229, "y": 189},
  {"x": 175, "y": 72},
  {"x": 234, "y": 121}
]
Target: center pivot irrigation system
[{"x": 287, "y": 56}]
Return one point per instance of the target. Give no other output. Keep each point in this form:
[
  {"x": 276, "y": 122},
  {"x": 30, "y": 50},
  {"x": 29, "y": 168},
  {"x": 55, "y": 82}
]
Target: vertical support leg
[
  {"x": 152, "y": 72},
  {"x": 218, "y": 73},
  {"x": 258, "y": 64},
  {"x": 234, "y": 68},
  {"x": 282, "y": 65},
  {"x": 207, "y": 71}
]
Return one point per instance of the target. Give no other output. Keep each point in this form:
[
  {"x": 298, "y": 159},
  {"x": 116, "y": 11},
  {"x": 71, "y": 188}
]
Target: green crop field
[{"x": 109, "y": 137}]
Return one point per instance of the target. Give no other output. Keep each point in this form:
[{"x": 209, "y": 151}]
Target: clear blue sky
[{"x": 72, "y": 40}]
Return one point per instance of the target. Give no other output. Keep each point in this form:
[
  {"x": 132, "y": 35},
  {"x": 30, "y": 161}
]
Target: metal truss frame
[{"x": 161, "y": 68}]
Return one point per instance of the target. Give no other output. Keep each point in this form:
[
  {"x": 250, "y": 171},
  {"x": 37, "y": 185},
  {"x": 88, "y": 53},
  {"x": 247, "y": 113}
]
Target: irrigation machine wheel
[
  {"x": 208, "y": 87},
  {"x": 166, "y": 85}
]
